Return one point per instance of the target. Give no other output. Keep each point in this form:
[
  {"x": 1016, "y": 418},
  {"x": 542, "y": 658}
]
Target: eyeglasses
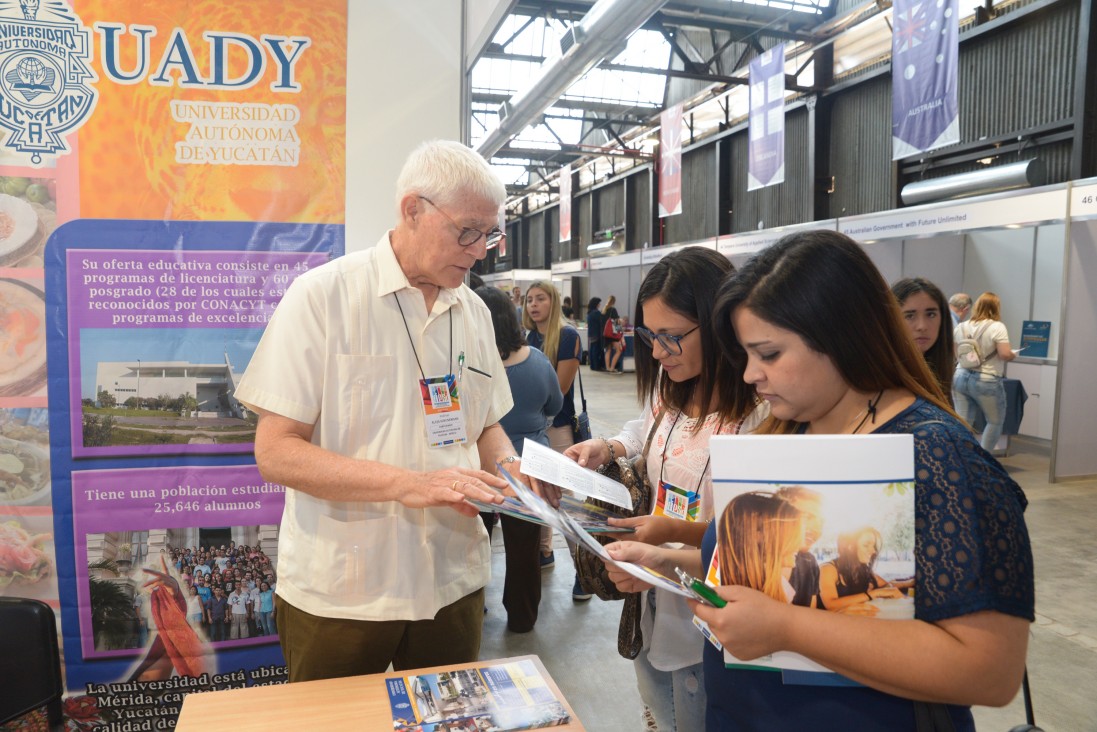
[
  {"x": 670, "y": 343},
  {"x": 469, "y": 236}
]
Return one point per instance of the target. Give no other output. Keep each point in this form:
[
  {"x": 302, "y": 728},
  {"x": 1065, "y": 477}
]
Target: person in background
[
  {"x": 537, "y": 400},
  {"x": 567, "y": 309},
  {"x": 816, "y": 332},
  {"x": 981, "y": 392},
  {"x": 960, "y": 307},
  {"x": 679, "y": 375},
  {"x": 613, "y": 343},
  {"x": 382, "y": 560},
  {"x": 547, "y": 332},
  {"x": 517, "y": 300},
  {"x": 595, "y": 355},
  {"x": 923, "y": 307}
]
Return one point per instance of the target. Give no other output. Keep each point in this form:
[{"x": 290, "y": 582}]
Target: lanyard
[
  {"x": 411, "y": 340},
  {"x": 663, "y": 461}
]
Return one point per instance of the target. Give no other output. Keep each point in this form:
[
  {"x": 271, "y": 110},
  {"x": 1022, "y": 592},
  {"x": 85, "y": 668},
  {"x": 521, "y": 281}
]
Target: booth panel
[
  {"x": 939, "y": 259},
  {"x": 1047, "y": 281},
  {"x": 1000, "y": 261}
]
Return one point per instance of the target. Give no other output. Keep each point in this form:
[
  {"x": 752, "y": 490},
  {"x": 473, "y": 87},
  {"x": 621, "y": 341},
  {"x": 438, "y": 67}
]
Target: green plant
[{"x": 112, "y": 615}]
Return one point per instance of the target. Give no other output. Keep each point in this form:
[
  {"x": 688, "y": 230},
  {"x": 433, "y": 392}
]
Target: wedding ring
[{"x": 454, "y": 486}]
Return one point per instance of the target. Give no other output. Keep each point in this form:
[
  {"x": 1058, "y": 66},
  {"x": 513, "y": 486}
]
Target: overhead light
[
  {"x": 985, "y": 161},
  {"x": 599, "y": 246}
]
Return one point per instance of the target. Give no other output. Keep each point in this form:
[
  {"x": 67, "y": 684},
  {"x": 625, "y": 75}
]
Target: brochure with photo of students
[
  {"x": 496, "y": 697},
  {"x": 589, "y": 516},
  {"x": 803, "y": 518}
]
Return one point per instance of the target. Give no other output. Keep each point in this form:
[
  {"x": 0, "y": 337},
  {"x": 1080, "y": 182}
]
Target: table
[{"x": 352, "y": 703}]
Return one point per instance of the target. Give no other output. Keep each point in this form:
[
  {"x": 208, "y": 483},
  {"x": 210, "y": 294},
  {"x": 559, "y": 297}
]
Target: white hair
[{"x": 445, "y": 171}]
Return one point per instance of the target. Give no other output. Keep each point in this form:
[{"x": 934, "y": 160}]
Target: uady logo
[{"x": 46, "y": 82}]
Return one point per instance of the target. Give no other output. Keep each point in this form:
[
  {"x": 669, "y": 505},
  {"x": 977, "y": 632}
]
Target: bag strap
[{"x": 579, "y": 373}]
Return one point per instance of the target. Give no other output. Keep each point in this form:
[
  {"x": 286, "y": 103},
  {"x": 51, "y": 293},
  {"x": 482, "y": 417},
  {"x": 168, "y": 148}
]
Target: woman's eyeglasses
[
  {"x": 670, "y": 343},
  {"x": 469, "y": 236}
]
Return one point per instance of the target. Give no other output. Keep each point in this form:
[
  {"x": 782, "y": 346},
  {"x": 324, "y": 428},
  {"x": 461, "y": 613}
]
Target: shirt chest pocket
[{"x": 367, "y": 396}]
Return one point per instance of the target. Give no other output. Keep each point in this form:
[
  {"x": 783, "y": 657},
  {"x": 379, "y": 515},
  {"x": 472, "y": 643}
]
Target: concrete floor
[{"x": 577, "y": 642}]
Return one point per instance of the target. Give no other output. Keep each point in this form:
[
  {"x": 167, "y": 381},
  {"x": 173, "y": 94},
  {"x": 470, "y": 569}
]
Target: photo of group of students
[{"x": 229, "y": 590}]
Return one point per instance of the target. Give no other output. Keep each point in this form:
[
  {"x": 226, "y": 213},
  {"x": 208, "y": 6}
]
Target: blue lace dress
[{"x": 972, "y": 553}]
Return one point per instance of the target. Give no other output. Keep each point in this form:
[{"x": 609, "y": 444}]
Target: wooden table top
[{"x": 352, "y": 703}]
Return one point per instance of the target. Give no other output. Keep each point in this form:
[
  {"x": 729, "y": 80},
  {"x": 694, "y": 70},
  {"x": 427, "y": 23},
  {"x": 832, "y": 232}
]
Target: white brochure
[{"x": 546, "y": 464}]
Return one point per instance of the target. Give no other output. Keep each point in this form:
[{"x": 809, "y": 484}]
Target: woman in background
[
  {"x": 595, "y": 356},
  {"x": 980, "y": 392},
  {"x": 537, "y": 399},
  {"x": 924, "y": 306},
  {"x": 613, "y": 343},
  {"x": 549, "y": 333}
]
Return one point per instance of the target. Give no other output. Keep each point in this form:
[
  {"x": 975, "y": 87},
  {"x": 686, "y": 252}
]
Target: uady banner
[
  {"x": 766, "y": 140},
  {"x": 924, "y": 53},
  {"x": 166, "y": 171},
  {"x": 670, "y": 161}
]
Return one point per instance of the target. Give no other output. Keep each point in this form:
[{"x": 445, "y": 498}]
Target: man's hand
[{"x": 449, "y": 488}]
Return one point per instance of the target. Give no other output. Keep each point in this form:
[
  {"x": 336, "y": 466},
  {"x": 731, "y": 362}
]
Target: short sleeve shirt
[
  {"x": 990, "y": 333},
  {"x": 340, "y": 353}
]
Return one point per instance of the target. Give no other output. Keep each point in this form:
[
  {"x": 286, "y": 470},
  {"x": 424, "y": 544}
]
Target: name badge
[
  {"x": 675, "y": 502},
  {"x": 442, "y": 413}
]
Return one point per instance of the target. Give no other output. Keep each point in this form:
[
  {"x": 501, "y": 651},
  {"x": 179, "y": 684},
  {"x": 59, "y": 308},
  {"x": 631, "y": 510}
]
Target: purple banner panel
[
  {"x": 766, "y": 145},
  {"x": 924, "y": 52},
  {"x": 137, "y": 517}
]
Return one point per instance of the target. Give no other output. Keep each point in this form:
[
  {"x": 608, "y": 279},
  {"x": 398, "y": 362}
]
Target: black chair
[{"x": 30, "y": 661}]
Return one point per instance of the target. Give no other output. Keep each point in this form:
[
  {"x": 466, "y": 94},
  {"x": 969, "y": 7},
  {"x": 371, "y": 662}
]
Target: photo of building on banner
[
  {"x": 924, "y": 52},
  {"x": 670, "y": 161},
  {"x": 766, "y": 165}
]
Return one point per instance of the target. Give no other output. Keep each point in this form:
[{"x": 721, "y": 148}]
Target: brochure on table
[
  {"x": 570, "y": 528},
  {"x": 864, "y": 483},
  {"x": 497, "y": 697}
]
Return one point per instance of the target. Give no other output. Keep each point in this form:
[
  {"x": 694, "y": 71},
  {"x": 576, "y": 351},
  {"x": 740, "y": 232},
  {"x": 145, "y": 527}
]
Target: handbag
[
  {"x": 580, "y": 423},
  {"x": 591, "y": 571}
]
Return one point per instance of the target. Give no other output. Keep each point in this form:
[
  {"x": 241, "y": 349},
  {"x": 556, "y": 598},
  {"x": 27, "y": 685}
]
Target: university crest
[{"x": 46, "y": 90}]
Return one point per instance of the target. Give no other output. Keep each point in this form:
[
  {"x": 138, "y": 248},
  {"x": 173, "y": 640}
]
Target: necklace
[{"x": 868, "y": 411}]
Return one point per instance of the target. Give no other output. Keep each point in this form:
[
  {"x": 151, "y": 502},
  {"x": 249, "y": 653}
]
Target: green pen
[
  {"x": 701, "y": 592},
  {"x": 460, "y": 365}
]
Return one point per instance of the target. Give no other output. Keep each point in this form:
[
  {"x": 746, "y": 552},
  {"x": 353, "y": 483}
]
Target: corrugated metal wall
[
  {"x": 860, "y": 150},
  {"x": 639, "y": 210},
  {"x": 698, "y": 219},
  {"x": 787, "y": 203},
  {"x": 609, "y": 206},
  {"x": 1019, "y": 77},
  {"x": 538, "y": 252}
]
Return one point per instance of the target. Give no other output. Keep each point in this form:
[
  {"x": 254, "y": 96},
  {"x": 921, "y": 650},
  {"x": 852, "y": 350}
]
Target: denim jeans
[
  {"x": 676, "y": 698},
  {"x": 974, "y": 394}
]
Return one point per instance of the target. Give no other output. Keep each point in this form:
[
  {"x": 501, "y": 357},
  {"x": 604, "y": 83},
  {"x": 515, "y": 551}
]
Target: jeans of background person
[
  {"x": 975, "y": 393},
  {"x": 676, "y": 698},
  {"x": 266, "y": 623},
  {"x": 217, "y": 630}
]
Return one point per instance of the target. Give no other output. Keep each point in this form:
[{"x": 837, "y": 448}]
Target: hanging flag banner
[
  {"x": 766, "y": 143},
  {"x": 670, "y": 161},
  {"x": 166, "y": 171},
  {"x": 565, "y": 203},
  {"x": 924, "y": 53}
]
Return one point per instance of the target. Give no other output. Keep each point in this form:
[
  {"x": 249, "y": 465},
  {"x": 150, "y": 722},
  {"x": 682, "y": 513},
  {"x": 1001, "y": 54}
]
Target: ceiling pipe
[
  {"x": 605, "y": 26},
  {"x": 991, "y": 180}
]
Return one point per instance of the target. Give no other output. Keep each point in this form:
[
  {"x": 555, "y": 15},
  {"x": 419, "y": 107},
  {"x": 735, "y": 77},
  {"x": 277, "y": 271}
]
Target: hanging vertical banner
[
  {"x": 924, "y": 52},
  {"x": 166, "y": 171},
  {"x": 670, "y": 161},
  {"x": 766, "y": 145},
  {"x": 565, "y": 203}
]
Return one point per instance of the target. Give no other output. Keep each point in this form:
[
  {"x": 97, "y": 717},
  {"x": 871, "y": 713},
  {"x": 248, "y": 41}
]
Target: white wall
[{"x": 403, "y": 87}]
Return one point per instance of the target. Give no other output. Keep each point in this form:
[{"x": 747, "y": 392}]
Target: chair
[{"x": 30, "y": 661}]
